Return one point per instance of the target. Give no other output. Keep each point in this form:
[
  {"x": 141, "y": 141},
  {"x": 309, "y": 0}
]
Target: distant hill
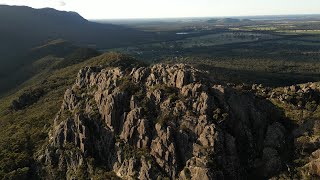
[
  {"x": 35, "y": 26},
  {"x": 52, "y": 55},
  {"x": 22, "y": 28},
  {"x": 228, "y": 20}
]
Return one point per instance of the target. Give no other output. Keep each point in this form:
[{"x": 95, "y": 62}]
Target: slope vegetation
[
  {"x": 118, "y": 118},
  {"x": 25, "y": 129},
  {"x": 23, "y": 28},
  {"x": 163, "y": 121}
]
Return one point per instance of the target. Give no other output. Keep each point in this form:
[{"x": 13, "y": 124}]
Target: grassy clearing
[{"x": 223, "y": 38}]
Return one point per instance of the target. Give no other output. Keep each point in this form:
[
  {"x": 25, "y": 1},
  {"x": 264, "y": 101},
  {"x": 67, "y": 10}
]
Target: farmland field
[{"x": 273, "y": 51}]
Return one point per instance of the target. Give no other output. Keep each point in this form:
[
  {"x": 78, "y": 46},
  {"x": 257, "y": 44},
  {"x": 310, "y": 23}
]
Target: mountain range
[{"x": 24, "y": 30}]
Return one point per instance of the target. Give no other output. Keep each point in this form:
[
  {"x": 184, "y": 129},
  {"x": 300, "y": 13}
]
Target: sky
[{"x": 123, "y": 9}]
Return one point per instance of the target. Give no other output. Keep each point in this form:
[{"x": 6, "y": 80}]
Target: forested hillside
[{"x": 24, "y": 29}]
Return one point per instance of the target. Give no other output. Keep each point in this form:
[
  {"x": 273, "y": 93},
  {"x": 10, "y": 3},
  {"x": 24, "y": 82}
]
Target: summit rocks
[{"x": 163, "y": 121}]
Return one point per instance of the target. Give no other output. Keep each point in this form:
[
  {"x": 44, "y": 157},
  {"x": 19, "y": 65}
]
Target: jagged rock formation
[
  {"x": 301, "y": 104},
  {"x": 164, "y": 121},
  {"x": 27, "y": 99}
]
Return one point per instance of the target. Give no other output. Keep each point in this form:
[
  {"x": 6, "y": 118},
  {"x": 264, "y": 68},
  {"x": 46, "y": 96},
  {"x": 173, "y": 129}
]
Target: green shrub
[
  {"x": 149, "y": 109},
  {"x": 163, "y": 119},
  {"x": 82, "y": 172},
  {"x": 311, "y": 106},
  {"x": 126, "y": 85},
  {"x": 183, "y": 127},
  {"x": 20, "y": 173},
  {"x": 133, "y": 152},
  {"x": 187, "y": 173}
]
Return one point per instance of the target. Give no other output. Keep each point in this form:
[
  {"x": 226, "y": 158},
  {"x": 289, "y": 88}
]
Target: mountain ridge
[
  {"x": 278, "y": 140},
  {"x": 24, "y": 28},
  {"x": 48, "y": 19},
  {"x": 69, "y": 111},
  {"x": 158, "y": 113}
]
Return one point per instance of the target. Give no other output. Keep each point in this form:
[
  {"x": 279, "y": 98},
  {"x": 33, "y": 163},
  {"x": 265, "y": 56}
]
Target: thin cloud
[
  {"x": 36, "y": 3},
  {"x": 62, "y": 3}
]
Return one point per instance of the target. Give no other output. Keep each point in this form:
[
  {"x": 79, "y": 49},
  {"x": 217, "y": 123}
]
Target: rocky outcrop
[
  {"x": 313, "y": 167},
  {"x": 163, "y": 121},
  {"x": 299, "y": 97},
  {"x": 26, "y": 99},
  {"x": 301, "y": 106}
]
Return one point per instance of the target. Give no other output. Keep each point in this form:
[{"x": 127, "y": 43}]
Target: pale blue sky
[{"x": 110, "y": 9}]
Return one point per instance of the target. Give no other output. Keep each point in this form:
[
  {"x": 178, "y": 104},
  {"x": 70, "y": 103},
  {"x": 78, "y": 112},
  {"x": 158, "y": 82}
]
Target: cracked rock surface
[{"x": 163, "y": 121}]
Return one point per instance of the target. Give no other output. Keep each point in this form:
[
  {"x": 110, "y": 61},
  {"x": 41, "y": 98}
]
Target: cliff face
[
  {"x": 163, "y": 121},
  {"x": 301, "y": 105}
]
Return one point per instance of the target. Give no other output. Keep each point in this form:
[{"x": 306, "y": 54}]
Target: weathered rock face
[
  {"x": 164, "y": 121},
  {"x": 27, "y": 99},
  {"x": 301, "y": 106},
  {"x": 313, "y": 167}
]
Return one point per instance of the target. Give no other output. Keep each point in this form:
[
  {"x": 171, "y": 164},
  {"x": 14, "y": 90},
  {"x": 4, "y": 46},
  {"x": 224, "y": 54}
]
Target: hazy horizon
[{"x": 146, "y": 9}]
